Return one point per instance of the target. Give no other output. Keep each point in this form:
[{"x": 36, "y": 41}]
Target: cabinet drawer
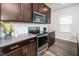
[
  {"x": 11, "y": 47},
  {"x": 16, "y": 52}
]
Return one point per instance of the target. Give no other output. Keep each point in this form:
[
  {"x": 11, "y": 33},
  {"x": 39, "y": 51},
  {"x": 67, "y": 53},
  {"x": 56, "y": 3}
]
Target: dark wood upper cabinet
[
  {"x": 47, "y": 12},
  {"x": 35, "y": 7},
  {"x": 48, "y": 15},
  {"x": 10, "y": 11},
  {"x": 22, "y": 12},
  {"x": 43, "y": 9},
  {"x": 39, "y": 8},
  {"x": 26, "y": 12}
]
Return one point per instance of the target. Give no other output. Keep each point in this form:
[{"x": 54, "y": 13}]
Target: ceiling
[{"x": 56, "y": 6}]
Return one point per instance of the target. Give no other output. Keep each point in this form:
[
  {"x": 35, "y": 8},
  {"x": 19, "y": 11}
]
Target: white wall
[{"x": 70, "y": 11}]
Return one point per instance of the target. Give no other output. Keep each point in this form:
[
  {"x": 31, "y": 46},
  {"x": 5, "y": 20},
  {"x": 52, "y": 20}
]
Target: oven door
[{"x": 42, "y": 40}]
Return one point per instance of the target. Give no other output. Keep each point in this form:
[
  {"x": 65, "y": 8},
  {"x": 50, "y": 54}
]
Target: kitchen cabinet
[
  {"x": 77, "y": 45},
  {"x": 51, "y": 38},
  {"x": 30, "y": 49},
  {"x": 22, "y": 12},
  {"x": 35, "y": 7},
  {"x": 47, "y": 11},
  {"x": 39, "y": 8},
  {"x": 43, "y": 9},
  {"x": 16, "y": 52},
  {"x": 10, "y": 11},
  {"x": 17, "y": 12},
  {"x": 48, "y": 16},
  {"x": 26, "y": 12}
]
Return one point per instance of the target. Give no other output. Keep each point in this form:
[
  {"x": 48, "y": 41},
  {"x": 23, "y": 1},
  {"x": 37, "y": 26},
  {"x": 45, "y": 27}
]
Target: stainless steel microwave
[{"x": 38, "y": 17}]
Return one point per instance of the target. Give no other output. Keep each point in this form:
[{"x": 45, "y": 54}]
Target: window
[{"x": 65, "y": 23}]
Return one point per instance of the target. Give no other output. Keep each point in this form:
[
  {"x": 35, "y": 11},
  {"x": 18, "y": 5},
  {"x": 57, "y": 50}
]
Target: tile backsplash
[{"x": 21, "y": 28}]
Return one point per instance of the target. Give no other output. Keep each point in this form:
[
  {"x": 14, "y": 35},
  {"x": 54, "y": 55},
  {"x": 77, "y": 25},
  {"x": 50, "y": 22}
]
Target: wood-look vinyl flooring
[{"x": 61, "y": 48}]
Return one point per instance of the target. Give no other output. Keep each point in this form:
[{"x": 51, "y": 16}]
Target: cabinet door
[
  {"x": 51, "y": 38},
  {"x": 42, "y": 8},
  {"x": 26, "y": 12},
  {"x": 48, "y": 15},
  {"x": 31, "y": 49},
  {"x": 36, "y": 7},
  {"x": 47, "y": 12},
  {"x": 10, "y": 11}
]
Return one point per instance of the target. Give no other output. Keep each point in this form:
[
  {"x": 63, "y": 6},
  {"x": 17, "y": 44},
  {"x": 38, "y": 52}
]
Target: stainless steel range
[{"x": 42, "y": 37}]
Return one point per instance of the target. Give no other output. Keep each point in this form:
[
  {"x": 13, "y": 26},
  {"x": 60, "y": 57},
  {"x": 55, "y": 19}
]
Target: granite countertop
[{"x": 21, "y": 37}]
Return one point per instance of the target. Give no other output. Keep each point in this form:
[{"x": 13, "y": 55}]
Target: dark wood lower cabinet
[
  {"x": 51, "y": 38},
  {"x": 28, "y": 50},
  {"x": 16, "y": 52},
  {"x": 31, "y": 49},
  {"x": 78, "y": 47}
]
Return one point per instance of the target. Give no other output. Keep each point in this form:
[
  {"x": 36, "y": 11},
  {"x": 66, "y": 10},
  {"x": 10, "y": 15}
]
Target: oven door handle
[{"x": 42, "y": 35}]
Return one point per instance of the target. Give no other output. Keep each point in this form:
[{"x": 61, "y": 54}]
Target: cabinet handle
[
  {"x": 31, "y": 40},
  {"x": 13, "y": 47},
  {"x": 24, "y": 51},
  {"x": 1, "y": 53}
]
